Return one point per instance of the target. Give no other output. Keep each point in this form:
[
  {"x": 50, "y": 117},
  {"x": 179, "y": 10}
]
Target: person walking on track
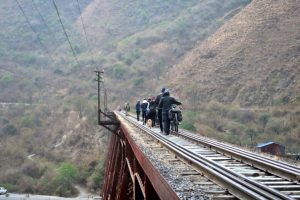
[
  {"x": 165, "y": 104},
  {"x": 126, "y": 108},
  {"x": 144, "y": 106},
  {"x": 159, "y": 110},
  {"x": 138, "y": 110}
]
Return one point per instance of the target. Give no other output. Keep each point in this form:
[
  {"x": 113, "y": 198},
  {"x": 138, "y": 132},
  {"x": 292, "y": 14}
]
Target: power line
[
  {"x": 74, "y": 54},
  {"x": 84, "y": 30},
  {"x": 36, "y": 34},
  {"x": 43, "y": 19}
]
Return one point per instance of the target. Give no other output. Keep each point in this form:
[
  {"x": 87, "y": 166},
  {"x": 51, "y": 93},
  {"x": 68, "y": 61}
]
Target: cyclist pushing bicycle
[{"x": 165, "y": 104}]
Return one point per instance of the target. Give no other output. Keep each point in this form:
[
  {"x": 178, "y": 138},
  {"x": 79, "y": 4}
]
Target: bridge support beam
[{"x": 129, "y": 173}]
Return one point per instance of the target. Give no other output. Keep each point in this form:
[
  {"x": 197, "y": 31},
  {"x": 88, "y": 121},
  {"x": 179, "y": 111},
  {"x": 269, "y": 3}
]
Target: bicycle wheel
[{"x": 176, "y": 123}]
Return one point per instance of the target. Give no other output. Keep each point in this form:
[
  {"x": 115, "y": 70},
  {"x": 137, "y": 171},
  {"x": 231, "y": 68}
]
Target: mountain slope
[
  {"x": 252, "y": 60},
  {"x": 134, "y": 41},
  {"x": 140, "y": 40}
]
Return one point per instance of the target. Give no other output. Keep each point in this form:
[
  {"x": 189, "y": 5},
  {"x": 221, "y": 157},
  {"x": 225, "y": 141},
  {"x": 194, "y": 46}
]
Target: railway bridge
[{"x": 142, "y": 163}]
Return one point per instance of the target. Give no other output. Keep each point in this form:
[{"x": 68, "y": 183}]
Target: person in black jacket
[
  {"x": 138, "y": 110},
  {"x": 159, "y": 110},
  {"x": 151, "y": 111},
  {"x": 165, "y": 104}
]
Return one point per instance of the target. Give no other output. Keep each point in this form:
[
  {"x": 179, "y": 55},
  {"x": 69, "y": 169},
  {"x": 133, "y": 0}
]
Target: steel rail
[
  {"x": 278, "y": 168},
  {"x": 238, "y": 184},
  {"x": 281, "y": 169},
  {"x": 284, "y": 165}
]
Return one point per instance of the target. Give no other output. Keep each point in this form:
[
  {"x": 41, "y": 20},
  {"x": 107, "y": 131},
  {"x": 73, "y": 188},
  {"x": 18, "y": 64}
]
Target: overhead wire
[
  {"x": 35, "y": 32},
  {"x": 84, "y": 30},
  {"x": 71, "y": 47},
  {"x": 43, "y": 19}
]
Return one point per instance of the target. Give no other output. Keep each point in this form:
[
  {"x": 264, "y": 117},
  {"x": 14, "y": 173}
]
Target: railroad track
[{"x": 244, "y": 174}]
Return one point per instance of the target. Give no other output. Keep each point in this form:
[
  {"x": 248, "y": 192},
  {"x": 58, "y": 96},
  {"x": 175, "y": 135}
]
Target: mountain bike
[{"x": 175, "y": 117}]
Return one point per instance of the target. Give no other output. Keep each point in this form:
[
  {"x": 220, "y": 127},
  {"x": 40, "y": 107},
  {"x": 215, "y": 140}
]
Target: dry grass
[{"x": 253, "y": 59}]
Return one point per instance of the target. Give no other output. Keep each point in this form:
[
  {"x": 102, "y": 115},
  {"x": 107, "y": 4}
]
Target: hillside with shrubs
[
  {"x": 243, "y": 81},
  {"x": 198, "y": 49},
  {"x": 49, "y": 136}
]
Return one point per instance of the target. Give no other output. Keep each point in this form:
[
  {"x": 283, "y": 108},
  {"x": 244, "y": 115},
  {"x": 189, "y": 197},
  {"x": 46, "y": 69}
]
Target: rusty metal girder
[{"x": 129, "y": 173}]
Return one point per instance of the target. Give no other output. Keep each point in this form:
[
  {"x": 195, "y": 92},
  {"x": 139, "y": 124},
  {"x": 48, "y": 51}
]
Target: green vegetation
[
  {"x": 95, "y": 180},
  {"x": 138, "y": 81},
  {"x": 67, "y": 175},
  {"x": 7, "y": 77},
  {"x": 58, "y": 72},
  {"x": 94, "y": 98},
  {"x": 28, "y": 121},
  {"x": 188, "y": 126},
  {"x": 246, "y": 126},
  {"x": 263, "y": 119},
  {"x": 9, "y": 129},
  {"x": 119, "y": 71},
  {"x": 9, "y": 187},
  {"x": 48, "y": 171}
]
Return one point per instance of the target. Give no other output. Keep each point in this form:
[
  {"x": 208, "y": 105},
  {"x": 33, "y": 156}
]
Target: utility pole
[
  {"x": 105, "y": 101},
  {"x": 99, "y": 80},
  {"x": 110, "y": 122}
]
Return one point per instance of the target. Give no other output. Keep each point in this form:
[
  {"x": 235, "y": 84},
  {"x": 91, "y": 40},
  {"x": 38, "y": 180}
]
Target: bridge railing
[{"x": 129, "y": 173}]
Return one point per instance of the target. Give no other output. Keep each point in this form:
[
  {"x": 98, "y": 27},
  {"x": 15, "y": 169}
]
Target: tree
[
  {"x": 263, "y": 120},
  {"x": 96, "y": 179},
  {"x": 80, "y": 105},
  {"x": 58, "y": 71},
  {"x": 67, "y": 174},
  {"x": 119, "y": 71},
  {"x": 6, "y": 79},
  {"x": 247, "y": 116},
  {"x": 252, "y": 134},
  {"x": 138, "y": 81},
  {"x": 28, "y": 121},
  {"x": 275, "y": 126},
  {"x": 9, "y": 129}
]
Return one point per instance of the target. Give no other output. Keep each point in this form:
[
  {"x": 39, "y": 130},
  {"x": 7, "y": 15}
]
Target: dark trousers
[
  {"x": 144, "y": 117},
  {"x": 159, "y": 115},
  {"x": 154, "y": 118},
  {"x": 151, "y": 115},
  {"x": 138, "y": 115},
  {"x": 166, "y": 122}
]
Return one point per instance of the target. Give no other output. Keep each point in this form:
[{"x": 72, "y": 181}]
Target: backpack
[
  {"x": 151, "y": 107},
  {"x": 179, "y": 116},
  {"x": 172, "y": 113}
]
